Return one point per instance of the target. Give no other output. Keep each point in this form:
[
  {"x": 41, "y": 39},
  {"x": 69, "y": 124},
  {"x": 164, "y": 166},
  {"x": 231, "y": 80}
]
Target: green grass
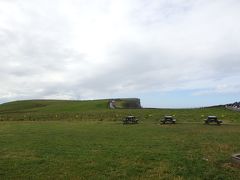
[
  {"x": 110, "y": 150},
  {"x": 51, "y": 106},
  {"x": 86, "y": 140}
]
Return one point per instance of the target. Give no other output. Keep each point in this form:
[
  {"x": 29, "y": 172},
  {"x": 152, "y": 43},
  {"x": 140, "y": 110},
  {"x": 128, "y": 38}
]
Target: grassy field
[{"x": 92, "y": 143}]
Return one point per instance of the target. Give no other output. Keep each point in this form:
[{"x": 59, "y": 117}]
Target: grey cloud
[{"x": 85, "y": 49}]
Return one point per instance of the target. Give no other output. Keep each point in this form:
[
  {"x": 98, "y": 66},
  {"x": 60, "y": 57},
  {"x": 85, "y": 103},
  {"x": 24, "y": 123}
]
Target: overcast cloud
[{"x": 86, "y": 49}]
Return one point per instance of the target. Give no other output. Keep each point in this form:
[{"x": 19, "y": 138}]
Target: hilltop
[
  {"x": 56, "y": 106},
  {"x": 52, "y": 106}
]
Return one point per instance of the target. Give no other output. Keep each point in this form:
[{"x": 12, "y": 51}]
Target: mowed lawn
[{"x": 111, "y": 150}]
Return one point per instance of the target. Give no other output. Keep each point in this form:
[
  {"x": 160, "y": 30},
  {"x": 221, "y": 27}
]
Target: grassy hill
[
  {"x": 58, "y": 106},
  {"x": 52, "y": 106},
  {"x": 51, "y": 139},
  {"x": 99, "y": 110},
  {"x": 64, "y": 109}
]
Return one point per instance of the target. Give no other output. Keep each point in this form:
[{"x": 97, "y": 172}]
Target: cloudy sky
[{"x": 169, "y": 53}]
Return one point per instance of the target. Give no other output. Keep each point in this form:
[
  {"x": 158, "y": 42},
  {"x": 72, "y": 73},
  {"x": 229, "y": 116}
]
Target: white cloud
[{"x": 85, "y": 49}]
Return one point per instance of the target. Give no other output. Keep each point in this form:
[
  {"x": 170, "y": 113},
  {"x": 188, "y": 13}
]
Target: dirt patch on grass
[
  {"x": 231, "y": 166},
  {"x": 27, "y": 155},
  {"x": 161, "y": 171},
  {"x": 212, "y": 150}
]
